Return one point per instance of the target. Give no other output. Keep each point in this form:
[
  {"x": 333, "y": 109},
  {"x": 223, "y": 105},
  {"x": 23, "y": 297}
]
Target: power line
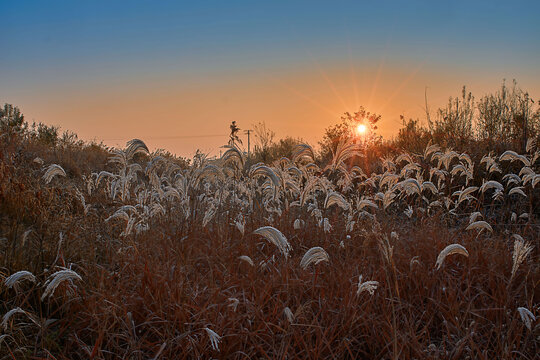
[{"x": 166, "y": 137}]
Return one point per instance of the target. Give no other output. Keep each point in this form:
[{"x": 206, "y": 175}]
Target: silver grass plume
[
  {"x": 482, "y": 225},
  {"x": 247, "y": 259},
  {"x": 233, "y": 155},
  {"x": 513, "y": 156},
  {"x": 474, "y": 216},
  {"x": 517, "y": 190},
  {"x": 275, "y": 236},
  {"x": 345, "y": 150},
  {"x": 215, "y": 339},
  {"x": 8, "y": 316},
  {"x": 57, "y": 278},
  {"x": 314, "y": 256},
  {"x": 298, "y": 224},
  {"x": 327, "y": 227},
  {"x": 466, "y": 194},
  {"x": 369, "y": 286},
  {"x": 13, "y": 279},
  {"x": 492, "y": 184},
  {"x": 522, "y": 249},
  {"x": 303, "y": 151},
  {"x": 135, "y": 146},
  {"x": 240, "y": 224},
  {"x": 233, "y": 303},
  {"x": 288, "y": 314},
  {"x": 450, "y": 250},
  {"x": 527, "y": 317},
  {"x": 263, "y": 170},
  {"x": 52, "y": 171},
  {"x": 367, "y": 203},
  {"x": 337, "y": 199}
]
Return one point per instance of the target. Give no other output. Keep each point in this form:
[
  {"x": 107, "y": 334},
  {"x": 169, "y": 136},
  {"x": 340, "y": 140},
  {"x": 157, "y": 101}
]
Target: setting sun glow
[{"x": 361, "y": 129}]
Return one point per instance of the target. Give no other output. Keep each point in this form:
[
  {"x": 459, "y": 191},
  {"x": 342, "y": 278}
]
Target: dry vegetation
[{"x": 109, "y": 254}]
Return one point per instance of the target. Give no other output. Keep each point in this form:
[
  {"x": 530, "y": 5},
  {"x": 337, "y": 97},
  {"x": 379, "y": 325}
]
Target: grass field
[{"x": 128, "y": 254}]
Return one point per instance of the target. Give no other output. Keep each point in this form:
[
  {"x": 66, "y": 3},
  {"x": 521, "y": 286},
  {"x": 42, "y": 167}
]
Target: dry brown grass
[{"x": 156, "y": 293}]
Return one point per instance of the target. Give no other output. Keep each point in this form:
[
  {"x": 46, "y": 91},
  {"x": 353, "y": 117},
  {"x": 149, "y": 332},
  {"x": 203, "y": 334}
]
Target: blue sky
[{"x": 53, "y": 48}]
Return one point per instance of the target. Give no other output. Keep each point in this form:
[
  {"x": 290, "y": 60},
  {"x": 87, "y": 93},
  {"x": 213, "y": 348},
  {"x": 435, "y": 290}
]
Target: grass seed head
[{"x": 450, "y": 250}]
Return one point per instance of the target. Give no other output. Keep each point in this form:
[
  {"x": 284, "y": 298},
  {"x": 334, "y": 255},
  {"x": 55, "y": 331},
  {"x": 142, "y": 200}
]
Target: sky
[{"x": 176, "y": 73}]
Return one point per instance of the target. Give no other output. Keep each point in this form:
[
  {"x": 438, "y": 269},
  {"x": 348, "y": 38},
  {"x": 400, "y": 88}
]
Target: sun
[{"x": 361, "y": 129}]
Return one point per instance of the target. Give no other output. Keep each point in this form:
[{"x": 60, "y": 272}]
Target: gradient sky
[{"x": 175, "y": 74}]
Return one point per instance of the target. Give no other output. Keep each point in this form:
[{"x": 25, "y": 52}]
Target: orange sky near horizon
[{"x": 184, "y": 113}]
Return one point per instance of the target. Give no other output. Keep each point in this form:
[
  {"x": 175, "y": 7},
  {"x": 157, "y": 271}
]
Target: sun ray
[
  {"x": 305, "y": 97},
  {"x": 353, "y": 77},
  {"x": 400, "y": 87}
]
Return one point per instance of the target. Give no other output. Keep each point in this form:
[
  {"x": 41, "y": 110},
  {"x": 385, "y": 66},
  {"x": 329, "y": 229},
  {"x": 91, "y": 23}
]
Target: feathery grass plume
[
  {"x": 517, "y": 190},
  {"x": 263, "y": 170},
  {"x": 38, "y": 160},
  {"x": 288, "y": 314},
  {"x": 388, "y": 179},
  {"x": 526, "y": 171},
  {"x": 57, "y": 278},
  {"x": 246, "y": 259},
  {"x": 233, "y": 155},
  {"x": 369, "y": 286},
  {"x": 410, "y": 168},
  {"x": 13, "y": 279},
  {"x": 240, "y": 224},
  {"x": 25, "y": 235},
  {"x": 209, "y": 215},
  {"x": 522, "y": 249},
  {"x": 386, "y": 249},
  {"x": 327, "y": 227},
  {"x": 85, "y": 206},
  {"x": 345, "y": 150},
  {"x": 52, "y": 171},
  {"x": 511, "y": 179},
  {"x": 450, "y": 250},
  {"x": 102, "y": 175},
  {"x": 233, "y": 303},
  {"x": 135, "y": 146},
  {"x": 10, "y": 313},
  {"x": 474, "y": 216},
  {"x": 513, "y": 156},
  {"x": 367, "y": 203},
  {"x": 527, "y": 317},
  {"x": 410, "y": 186},
  {"x": 118, "y": 214},
  {"x": 214, "y": 338},
  {"x": 388, "y": 199},
  {"x": 336, "y": 198},
  {"x": 414, "y": 260},
  {"x": 531, "y": 144},
  {"x": 481, "y": 224},
  {"x": 458, "y": 168},
  {"x": 275, "y": 236},
  {"x": 467, "y": 159},
  {"x": 314, "y": 256},
  {"x": 408, "y": 211},
  {"x": 301, "y": 152},
  {"x": 431, "y": 149},
  {"x": 428, "y": 185},
  {"x": 4, "y": 337},
  {"x": 447, "y": 157},
  {"x": 492, "y": 184},
  {"x": 404, "y": 157}
]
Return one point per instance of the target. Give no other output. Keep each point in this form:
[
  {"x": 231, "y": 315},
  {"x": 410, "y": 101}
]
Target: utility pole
[{"x": 248, "y": 132}]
